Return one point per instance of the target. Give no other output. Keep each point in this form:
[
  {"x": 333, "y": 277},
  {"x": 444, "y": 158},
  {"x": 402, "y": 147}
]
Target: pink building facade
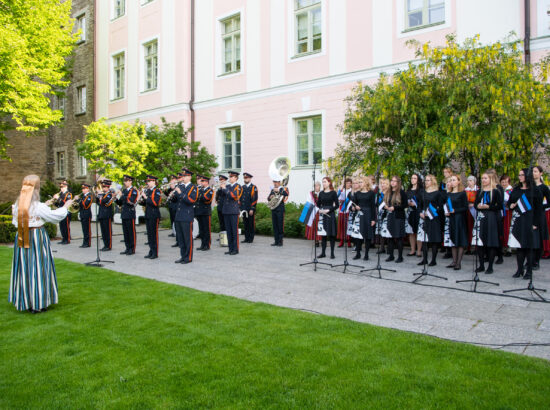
[{"x": 267, "y": 78}]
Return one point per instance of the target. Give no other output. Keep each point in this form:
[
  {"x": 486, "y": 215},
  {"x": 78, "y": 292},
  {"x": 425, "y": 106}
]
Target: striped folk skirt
[{"x": 33, "y": 284}]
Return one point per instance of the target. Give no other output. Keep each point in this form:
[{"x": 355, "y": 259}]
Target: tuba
[{"x": 279, "y": 169}]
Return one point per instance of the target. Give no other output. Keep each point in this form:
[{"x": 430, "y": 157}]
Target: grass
[{"x": 126, "y": 342}]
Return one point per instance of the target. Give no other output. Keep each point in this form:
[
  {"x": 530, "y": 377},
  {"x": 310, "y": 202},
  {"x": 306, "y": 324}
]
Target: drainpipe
[
  {"x": 192, "y": 99},
  {"x": 526, "y": 41}
]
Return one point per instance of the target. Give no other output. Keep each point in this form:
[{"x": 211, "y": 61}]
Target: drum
[{"x": 223, "y": 238}]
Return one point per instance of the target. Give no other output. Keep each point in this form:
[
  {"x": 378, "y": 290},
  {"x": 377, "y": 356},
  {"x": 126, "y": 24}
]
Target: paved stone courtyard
[{"x": 262, "y": 273}]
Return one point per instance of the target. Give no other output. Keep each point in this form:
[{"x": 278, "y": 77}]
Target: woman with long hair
[
  {"x": 545, "y": 221},
  {"x": 311, "y": 231},
  {"x": 382, "y": 214},
  {"x": 412, "y": 214},
  {"x": 507, "y": 217},
  {"x": 471, "y": 192},
  {"x": 327, "y": 202},
  {"x": 456, "y": 207},
  {"x": 364, "y": 203},
  {"x": 525, "y": 203},
  {"x": 486, "y": 235},
  {"x": 343, "y": 213},
  {"x": 431, "y": 205},
  {"x": 396, "y": 203},
  {"x": 33, "y": 284}
]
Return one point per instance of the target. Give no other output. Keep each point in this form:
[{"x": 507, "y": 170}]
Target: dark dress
[
  {"x": 366, "y": 201},
  {"x": 413, "y": 214},
  {"x": 432, "y": 226},
  {"x": 489, "y": 221},
  {"x": 396, "y": 218},
  {"x": 328, "y": 200},
  {"x": 457, "y": 221},
  {"x": 544, "y": 194},
  {"x": 522, "y": 235}
]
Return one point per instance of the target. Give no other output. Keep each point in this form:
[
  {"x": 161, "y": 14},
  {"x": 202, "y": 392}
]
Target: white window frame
[
  {"x": 232, "y": 35},
  {"x": 146, "y": 2},
  {"x": 61, "y": 159},
  {"x": 292, "y": 137},
  {"x": 114, "y": 55},
  {"x": 292, "y": 57},
  {"x": 221, "y": 146},
  {"x": 310, "y": 138},
  {"x": 60, "y": 102},
  {"x": 81, "y": 25},
  {"x": 81, "y": 165},
  {"x": 81, "y": 99},
  {"x": 220, "y": 75},
  {"x": 403, "y": 31},
  {"x": 143, "y": 66},
  {"x": 308, "y": 10},
  {"x": 114, "y": 13}
]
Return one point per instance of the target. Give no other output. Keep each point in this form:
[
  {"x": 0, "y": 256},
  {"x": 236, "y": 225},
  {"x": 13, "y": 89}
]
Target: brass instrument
[
  {"x": 75, "y": 206},
  {"x": 279, "y": 170}
]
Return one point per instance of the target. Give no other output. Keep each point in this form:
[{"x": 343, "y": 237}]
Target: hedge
[{"x": 8, "y": 230}]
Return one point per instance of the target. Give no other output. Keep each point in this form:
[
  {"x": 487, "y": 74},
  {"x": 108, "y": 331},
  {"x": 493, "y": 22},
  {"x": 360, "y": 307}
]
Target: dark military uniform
[
  {"x": 230, "y": 211},
  {"x": 278, "y": 215},
  {"x": 152, "y": 218},
  {"x": 249, "y": 200},
  {"x": 171, "y": 209},
  {"x": 105, "y": 217},
  {"x": 65, "y": 224},
  {"x": 184, "y": 220},
  {"x": 127, "y": 202},
  {"x": 203, "y": 212},
  {"x": 220, "y": 198},
  {"x": 85, "y": 213}
]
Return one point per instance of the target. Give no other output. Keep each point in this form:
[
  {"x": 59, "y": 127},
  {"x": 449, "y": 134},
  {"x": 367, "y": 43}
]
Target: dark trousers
[
  {"x": 278, "y": 220},
  {"x": 129, "y": 230},
  {"x": 172, "y": 212},
  {"x": 86, "y": 231},
  {"x": 106, "y": 232},
  {"x": 204, "y": 230},
  {"x": 184, "y": 236},
  {"x": 221, "y": 219},
  {"x": 249, "y": 224},
  {"x": 152, "y": 225},
  {"x": 232, "y": 228},
  {"x": 65, "y": 228}
]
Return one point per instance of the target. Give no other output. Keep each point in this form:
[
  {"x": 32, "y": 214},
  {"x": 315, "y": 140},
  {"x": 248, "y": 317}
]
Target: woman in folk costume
[
  {"x": 545, "y": 217},
  {"x": 396, "y": 203},
  {"x": 327, "y": 202},
  {"x": 525, "y": 204},
  {"x": 486, "y": 235},
  {"x": 364, "y": 202},
  {"x": 456, "y": 208},
  {"x": 381, "y": 214},
  {"x": 33, "y": 283},
  {"x": 311, "y": 231},
  {"x": 343, "y": 213},
  {"x": 507, "y": 216},
  {"x": 431, "y": 204},
  {"x": 471, "y": 192},
  {"x": 413, "y": 215}
]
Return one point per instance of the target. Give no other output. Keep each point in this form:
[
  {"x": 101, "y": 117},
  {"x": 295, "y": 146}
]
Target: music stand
[{"x": 98, "y": 260}]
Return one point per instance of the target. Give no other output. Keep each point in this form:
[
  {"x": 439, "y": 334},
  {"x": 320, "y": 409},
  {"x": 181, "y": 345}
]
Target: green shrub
[
  {"x": 7, "y": 231},
  {"x": 51, "y": 229},
  {"x": 214, "y": 221},
  {"x": 264, "y": 226},
  {"x": 165, "y": 223},
  {"x": 5, "y": 208}
]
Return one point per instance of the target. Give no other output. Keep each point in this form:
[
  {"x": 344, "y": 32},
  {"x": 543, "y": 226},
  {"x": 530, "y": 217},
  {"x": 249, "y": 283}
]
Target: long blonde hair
[
  {"x": 30, "y": 193},
  {"x": 433, "y": 184},
  {"x": 460, "y": 186},
  {"x": 395, "y": 198},
  {"x": 367, "y": 183}
]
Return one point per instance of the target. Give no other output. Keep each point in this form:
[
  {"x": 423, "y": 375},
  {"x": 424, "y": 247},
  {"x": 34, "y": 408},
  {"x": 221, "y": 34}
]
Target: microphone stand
[
  {"x": 378, "y": 267},
  {"x": 314, "y": 261},
  {"x": 475, "y": 278},
  {"x": 530, "y": 287},
  {"x": 424, "y": 271},
  {"x": 98, "y": 260}
]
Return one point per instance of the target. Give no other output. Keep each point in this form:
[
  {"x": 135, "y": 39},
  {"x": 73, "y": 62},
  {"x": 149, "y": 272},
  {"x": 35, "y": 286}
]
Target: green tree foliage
[
  {"x": 113, "y": 150},
  {"x": 463, "y": 104},
  {"x": 35, "y": 40}
]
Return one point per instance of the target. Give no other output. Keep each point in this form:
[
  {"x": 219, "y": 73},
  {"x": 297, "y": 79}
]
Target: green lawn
[{"x": 121, "y": 341}]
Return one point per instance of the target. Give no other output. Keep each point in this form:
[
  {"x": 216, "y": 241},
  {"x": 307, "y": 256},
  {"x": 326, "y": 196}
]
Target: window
[
  {"x": 151, "y": 65},
  {"x": 82, "y": 166},
  {"x": 60, "y": 101},
  {"x": 424, "y": 12},
  {"x": 144, "y": 2},
  {"x": 308, "y": 26},
  {"x": 81, "y": 25},
  {"x": 231, "y": 44},
  {"x": 119, "y": 8},
  {"x": 118, "y": 76},
  {"x": 309, "y": 140},
  {"x": 80, "y": 99},
  {"x": 232, "y": 148},
  {"x": 60, "y": 164}
]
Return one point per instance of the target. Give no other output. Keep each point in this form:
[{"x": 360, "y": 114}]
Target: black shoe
[
  {"x": 279, "y": 244},
  {"x": 200, "y": 248},
  {"x": 432, "y": 263},
  {"x": 518, "y": 274},
  {"x": 175, "y": 245},
  {"x": 153, "y": 257},
  {"x": 422, "y": 262},
  {"x": 105, "y": 249},
  {"x": 84, "y": 246},
  {"x": 535, "y": 266},
  {"x": 489, "y": 271},
  {"x": 358, "y": 256},
  {"x": 332, "y": 256},
  {"x": 450, "y": 265},
  {"x": 528, "y": 276},
  {"x": 146, "y": 243},
  {"x": 390, "y": 258},
  {"x": 323, "y": 255},
  {"x": 179, "y": 261},
  {"x": 185, "y": 262},
  {"x": 499, "y": 261},
  {"x": 122, "y": 240},
  {"x": 274, "y": 244},
  {"x": 244, "y": 241},
  {"x": 124, "y": 253},
  {"x": 205, "y": 249},
  {"x": 411, "y": 254},
  {"x": 399, "y": 259},
  {"x": 480, "y": 269},
  {"x": 234, "y": 253},
  {"x": 227, "y": 253},
  {"x": 171, "y": 235},
  {"x": 366, "y": 257},
  {"x": 147, "y": 256},
  {"x": 65, "y": 243},
  {"x": 130, "y": 253},
  {"x": 457, "y": 267}
]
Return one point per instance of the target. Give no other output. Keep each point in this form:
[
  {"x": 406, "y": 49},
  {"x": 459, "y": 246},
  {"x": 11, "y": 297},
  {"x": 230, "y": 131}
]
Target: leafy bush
[
  {"x": 5, "y": 208},
  {"x": 7, "y": 231},
  {"x": 51, "y": 229}
]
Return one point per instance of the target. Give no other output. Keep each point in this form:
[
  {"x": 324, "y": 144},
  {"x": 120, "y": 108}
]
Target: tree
[
  {"x": 36, "y": 39},
  {"x": 464, "y": 104}
]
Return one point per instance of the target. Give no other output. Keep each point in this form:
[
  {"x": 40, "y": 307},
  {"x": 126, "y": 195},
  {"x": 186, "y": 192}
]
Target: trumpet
[{"x": 75, "y": 206}]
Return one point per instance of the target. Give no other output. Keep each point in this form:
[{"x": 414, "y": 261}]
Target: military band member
[
  {"x": 203, "y": 211},
  {"x": 65, "y": 224},
  {"x": 85, "y": 213},
  {"x": 127, "y": 200},
  {"x": 219, "y": 202},
  {"x": 185, "y": 195},
  {"x": 171, "y": 205},
  {"x": 232, "y": 194},
  {"x": 105, "y": 200},
  {"x": 151, "y": 199},
  {"x": 249, "y": 200},
  {"x": 172, "y": 199},
  {"x": 278, "y": 214}
]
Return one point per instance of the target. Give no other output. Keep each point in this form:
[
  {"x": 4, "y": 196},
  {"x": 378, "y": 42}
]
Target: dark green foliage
[
  {"x": 5, "y": 208},
  {"x": 51, "y": 229},
  {"x": 7, "y": 229}
]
